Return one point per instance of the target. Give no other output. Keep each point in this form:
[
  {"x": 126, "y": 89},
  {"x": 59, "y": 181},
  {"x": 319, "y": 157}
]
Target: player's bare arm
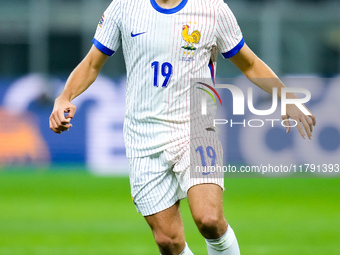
[
  {"x": 262, "y": 76},
  {"x": 79, "y": 80}
]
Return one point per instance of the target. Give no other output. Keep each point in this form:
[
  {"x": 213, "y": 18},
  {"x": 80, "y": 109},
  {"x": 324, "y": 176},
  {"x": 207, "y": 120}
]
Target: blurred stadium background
[{"x": 69, "y": 193}]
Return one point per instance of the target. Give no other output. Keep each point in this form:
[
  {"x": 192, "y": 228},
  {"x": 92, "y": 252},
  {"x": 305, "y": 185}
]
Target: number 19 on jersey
[{"x": 166, "y": 72}]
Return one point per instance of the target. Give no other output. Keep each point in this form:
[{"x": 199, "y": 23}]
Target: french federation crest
[{"x": 191, "y": 40}]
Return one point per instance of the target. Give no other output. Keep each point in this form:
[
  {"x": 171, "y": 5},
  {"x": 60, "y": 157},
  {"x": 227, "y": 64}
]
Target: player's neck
[{"x": 168, "y": 4}]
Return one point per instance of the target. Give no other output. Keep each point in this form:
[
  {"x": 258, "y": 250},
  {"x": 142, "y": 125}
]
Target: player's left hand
[
  {"x": 304, "y": 122},
  {"x": 58, "y": 121}
]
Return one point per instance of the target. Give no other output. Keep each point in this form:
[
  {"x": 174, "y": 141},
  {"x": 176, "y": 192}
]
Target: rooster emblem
[{"x": 192, "y": 39}]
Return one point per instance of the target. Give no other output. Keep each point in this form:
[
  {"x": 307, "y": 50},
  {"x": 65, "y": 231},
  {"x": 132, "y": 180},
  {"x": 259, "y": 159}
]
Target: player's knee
[
  {"x": 168, "y": 242},
  {"x": 210, "y": 225}
]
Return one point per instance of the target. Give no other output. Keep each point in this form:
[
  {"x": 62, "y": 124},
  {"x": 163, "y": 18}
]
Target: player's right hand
[{"x": 58, "y": 122}]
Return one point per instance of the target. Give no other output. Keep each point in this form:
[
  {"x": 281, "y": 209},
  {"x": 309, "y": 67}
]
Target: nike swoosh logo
[{"x": 134, "y": 35}]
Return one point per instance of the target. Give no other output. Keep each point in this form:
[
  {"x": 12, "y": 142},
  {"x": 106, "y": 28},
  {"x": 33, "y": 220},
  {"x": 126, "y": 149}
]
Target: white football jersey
[{"x": 163, "y": 49}]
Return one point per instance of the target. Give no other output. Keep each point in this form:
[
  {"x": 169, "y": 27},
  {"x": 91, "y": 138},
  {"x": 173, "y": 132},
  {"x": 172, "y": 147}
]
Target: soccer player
[{"x": 166, "y": 43}]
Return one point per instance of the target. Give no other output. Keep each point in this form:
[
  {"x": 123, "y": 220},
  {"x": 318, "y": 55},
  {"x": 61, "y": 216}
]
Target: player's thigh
[
  {"x": 206, "y": 205},
  {"x": 167, "y": 222},
  {"x": 205, "y": 195},
  {"x": 206, "y": 199}
]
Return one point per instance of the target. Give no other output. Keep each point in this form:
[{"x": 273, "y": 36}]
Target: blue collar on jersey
[{"x": 168, "y": 11}]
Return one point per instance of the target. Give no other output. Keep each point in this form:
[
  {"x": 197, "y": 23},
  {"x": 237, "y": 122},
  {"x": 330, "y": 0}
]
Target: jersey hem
[
  {"x": 235, "y": 50},
  {"x": 102, "y": 48}
]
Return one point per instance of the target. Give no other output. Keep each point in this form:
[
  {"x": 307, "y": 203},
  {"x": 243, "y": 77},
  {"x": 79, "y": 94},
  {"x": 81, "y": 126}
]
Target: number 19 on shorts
[{"x": 210, "y": 153}]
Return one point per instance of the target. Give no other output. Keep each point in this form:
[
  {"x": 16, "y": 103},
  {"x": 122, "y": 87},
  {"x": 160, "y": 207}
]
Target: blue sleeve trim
[
  {"x": 235, "y": 50},
  {"x": 102, "y": 48}
]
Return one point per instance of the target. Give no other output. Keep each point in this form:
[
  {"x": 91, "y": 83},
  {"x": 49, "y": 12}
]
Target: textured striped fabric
[
  {"x": 163, "y": 51},
  {"x": 158, "y": 181}
]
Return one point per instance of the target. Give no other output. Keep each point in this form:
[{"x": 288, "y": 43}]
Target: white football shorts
[{"x": 158, "y": 181}]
